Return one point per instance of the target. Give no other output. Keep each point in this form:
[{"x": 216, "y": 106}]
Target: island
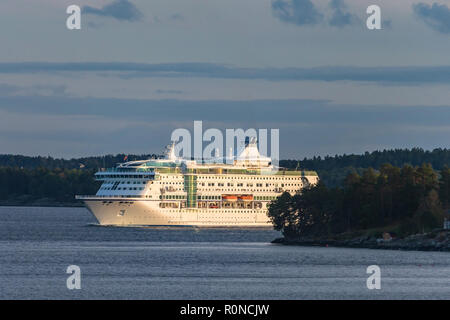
[{"x": 389, "y": 208}]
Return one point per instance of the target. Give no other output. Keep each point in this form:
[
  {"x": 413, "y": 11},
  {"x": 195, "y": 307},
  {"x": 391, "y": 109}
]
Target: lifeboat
[
  {"x": 246, "y": 197},
  {"x": 229, "y": 198}
]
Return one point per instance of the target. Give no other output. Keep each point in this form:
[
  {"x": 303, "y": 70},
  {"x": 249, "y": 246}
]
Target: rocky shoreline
[{"x": 437, "y": 240}]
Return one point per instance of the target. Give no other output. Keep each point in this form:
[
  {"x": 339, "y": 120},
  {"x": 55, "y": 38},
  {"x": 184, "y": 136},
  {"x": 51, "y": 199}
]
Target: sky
[{"x": 137, "y": 70}]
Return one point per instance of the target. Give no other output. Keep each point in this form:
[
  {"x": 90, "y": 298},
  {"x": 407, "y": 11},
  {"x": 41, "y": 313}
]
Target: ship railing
[
  {"x": 127, "y": 169},
  {"x": 84, "y": 197}
]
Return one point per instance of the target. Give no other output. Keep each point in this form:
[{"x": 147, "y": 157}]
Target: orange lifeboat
[
  {"x": 246, "y": 197},
  {"x": 229, "y": 197}
]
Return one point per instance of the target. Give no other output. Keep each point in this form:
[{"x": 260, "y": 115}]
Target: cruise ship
[{"x": 180, "y": 192}]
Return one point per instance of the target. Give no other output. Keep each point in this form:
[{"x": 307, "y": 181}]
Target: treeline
[
  {"x": 24, "y": 186},
  {"x": 404, "y": 201},
  {"x": 333, "y": 170},
  {"x": 24, "y": 177},
  {"x": 108, "y": 161}
]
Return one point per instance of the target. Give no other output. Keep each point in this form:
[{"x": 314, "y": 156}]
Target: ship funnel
[
  {"x": 250, "y": 141},
  {"x": 250, "y": 156}
]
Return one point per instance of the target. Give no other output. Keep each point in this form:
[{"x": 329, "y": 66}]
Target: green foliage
[
  {"x": 308, "y": 213},
  {"x": 108, "y": 161},
  {"x": 25, "y": 179},
  {"x": 429, "y": 214},
  {"x": 59, "y": 185},
  {"x": 281, "y": 212},
  {"x": 444, "y": 187},
  {"x": 333, "y": 170},
  {"x": 407, "y": 197}
]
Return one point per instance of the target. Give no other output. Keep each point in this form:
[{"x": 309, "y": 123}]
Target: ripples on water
[{"x": 37, "y": 245}]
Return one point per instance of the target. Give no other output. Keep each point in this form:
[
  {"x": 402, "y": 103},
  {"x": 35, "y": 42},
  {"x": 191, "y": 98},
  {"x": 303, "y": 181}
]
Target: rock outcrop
[{"x": 437, "y": 240}]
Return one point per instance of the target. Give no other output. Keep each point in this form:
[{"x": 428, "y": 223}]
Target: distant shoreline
[{"x": 437, "y": 240}]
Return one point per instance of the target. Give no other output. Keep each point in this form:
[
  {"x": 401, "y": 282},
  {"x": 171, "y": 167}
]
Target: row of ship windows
[
  {"x": 131, "y": 188},
  {"x": 217, "y": 217},
  {"x": 258, "y": 185},
  {"x": 122, "y": 196},
  {"x": 238, "y": 190},
  {"x": 126, "y": 182},
  {"x": 243, "y": 190},
  {"x": 230, "y": 184},
  {"x": 209, "y": 184},
  {"x": 183, "y": 197},
  {"x": 124, "y": 188},
  {"x": 248, "y": 178},
  {"x": 176, "y": 197},
  {"x": 234, "y": 177},
  {"x": 182, "y": 205},
  {"x": 124, "y": 176}
]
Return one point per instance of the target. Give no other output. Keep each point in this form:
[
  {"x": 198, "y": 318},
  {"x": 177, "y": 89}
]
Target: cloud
[
  {"x": 119, "y": 9},
  {"x": 303, "y": 12},
  {"x": 267, "y": 112},
  {"x": 341, "y": 17},
  {"x": 176, "y": 16},
  {"x": 436, "y": 16},
  {"x": 387, "y": 24},
  {"x": 324, "y": 127},
  {"x": 298, "y": 12},
  {"x": 412, "y": 75},
  {"x": 41, "y": 90},
  {"x": 162, "y": 91}
]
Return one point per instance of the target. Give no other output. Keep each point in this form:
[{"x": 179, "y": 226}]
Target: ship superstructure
[{"x": 180, "y": 192}]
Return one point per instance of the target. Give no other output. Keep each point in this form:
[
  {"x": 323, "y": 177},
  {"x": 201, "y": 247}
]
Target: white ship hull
[{"x": 138, "y": 212}]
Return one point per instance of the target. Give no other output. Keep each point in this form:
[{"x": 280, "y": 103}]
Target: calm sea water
[{"x": 38, "y": 244}]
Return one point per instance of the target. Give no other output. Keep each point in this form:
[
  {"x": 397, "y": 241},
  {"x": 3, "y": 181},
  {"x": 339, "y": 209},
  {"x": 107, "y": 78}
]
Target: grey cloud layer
[
  {"x": 391, "y": 75},
  {"x": 118, "y": 9},
  {"x": 341, "y": 16},
  {"x": 304, "y": 12},
  {"x": 437, "y": 16},
  {"x": 295, "y": 111},
  {"x": 299, "y": 12},
  {"x": 307, "y": 127},
  {"x": 42, "y": 90}
]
